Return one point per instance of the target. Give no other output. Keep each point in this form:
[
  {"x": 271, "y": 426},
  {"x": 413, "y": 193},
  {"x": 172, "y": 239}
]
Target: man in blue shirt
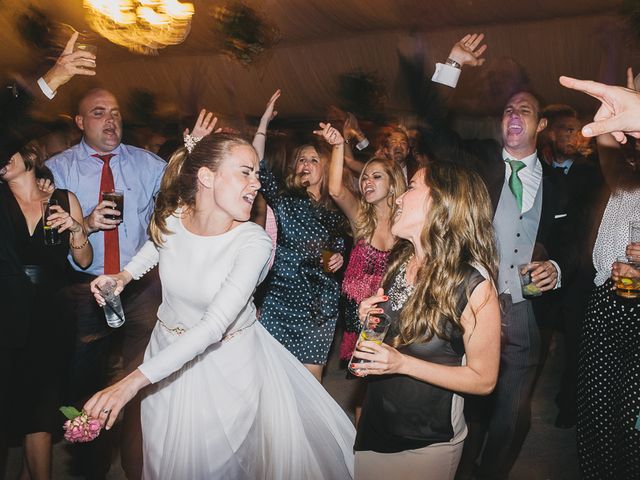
[{"x": 100, "y": 162}]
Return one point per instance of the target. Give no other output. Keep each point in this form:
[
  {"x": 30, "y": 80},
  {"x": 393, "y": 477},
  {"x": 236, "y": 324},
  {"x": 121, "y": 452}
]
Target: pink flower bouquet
[{"x": 80, "y": 427}]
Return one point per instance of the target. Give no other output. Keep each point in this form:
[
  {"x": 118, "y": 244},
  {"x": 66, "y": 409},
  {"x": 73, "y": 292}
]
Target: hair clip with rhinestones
[{"x": 190, "y": 141}]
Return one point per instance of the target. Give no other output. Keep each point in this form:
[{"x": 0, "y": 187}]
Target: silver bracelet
[
  {"x": 261, "y": 133},
  {"x": 452, "y": 63}
]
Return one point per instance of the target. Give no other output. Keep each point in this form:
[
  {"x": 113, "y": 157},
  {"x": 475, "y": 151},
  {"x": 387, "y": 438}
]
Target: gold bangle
[{"x": 86, "y": 240}]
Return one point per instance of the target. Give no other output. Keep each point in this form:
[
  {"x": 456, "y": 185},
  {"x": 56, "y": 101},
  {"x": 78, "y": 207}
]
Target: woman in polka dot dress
[
  {"x": 608, "y": 429},
  {"x": 300, "y": 308}
]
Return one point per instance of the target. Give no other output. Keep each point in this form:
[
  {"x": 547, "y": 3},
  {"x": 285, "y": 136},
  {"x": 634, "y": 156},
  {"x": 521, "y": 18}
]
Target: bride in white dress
[{"x": 223, "y": 399}]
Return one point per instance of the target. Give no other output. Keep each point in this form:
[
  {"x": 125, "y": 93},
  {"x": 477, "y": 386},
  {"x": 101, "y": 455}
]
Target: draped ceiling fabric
[{"x": 322, "y": 39}]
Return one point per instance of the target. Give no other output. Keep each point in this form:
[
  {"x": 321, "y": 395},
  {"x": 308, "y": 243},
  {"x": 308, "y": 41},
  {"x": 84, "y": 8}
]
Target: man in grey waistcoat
[{"x": 526, "y": 215}]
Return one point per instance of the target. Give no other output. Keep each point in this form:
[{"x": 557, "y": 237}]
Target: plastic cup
[{"x": 374, "y": 329}]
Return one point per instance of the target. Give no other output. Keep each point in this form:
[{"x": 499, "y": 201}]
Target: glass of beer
[
  {"x": 628, "y": 286},
  {"x": 374, "y": 329},
  {"x": 529, "y": 289},
  {"x": 326, "y": 258},
  {"x": 51, "y": 235},
  {"x": 116, "y": 196}
]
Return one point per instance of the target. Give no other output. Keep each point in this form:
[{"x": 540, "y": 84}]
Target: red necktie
[{"x": 111, "y": 242}]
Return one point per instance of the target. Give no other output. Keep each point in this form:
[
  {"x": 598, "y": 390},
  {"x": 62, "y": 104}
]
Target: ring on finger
[{"x": 106, "y": 411}]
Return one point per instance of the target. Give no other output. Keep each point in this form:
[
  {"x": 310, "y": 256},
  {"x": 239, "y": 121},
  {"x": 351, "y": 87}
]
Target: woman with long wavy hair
[
  {"x": 369, "y": 214},
  {"x": 226, "y": 400},
  {"x": 444, "y": 338}
]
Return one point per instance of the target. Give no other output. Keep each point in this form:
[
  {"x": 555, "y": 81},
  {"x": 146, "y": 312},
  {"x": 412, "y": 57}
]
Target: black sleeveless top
[
  {"x": 401, "y": 413},
  {"x": 31, "y": 248}
]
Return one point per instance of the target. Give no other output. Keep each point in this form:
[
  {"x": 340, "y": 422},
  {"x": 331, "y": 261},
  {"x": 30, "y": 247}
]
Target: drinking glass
[
  {"x": 113, "y": 312},
  {"x": 628, "y": 287},
  {"x": 116, "y": 196},
  {"x": 529, "y": 289},
  {"x": 51, "y": 235},
  {"x": 326, "y": 258},
  {"x": 374, "y": 329}
]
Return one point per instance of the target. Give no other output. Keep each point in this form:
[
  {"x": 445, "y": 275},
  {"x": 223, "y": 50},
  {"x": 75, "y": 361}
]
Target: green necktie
[{"x": 515, "y": 184}]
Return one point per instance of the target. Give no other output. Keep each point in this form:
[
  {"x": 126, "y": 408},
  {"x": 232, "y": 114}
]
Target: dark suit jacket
[
  {"x": 582, "y": 186},
  {"x": 485, "y": 158}
]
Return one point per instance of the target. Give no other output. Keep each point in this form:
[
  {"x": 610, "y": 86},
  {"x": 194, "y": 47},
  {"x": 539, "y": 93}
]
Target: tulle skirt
[{"x": 244, "y": 409}]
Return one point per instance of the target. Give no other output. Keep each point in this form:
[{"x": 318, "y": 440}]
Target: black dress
[
  {"x": 37, "y": 367},
  {"x": 401, "y": 413}
]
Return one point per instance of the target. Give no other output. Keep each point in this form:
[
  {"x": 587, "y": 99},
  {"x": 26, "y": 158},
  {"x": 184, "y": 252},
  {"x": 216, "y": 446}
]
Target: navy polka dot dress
[
  {"x": 300, "y": 308},
  {"x": 609, "y": 388}
]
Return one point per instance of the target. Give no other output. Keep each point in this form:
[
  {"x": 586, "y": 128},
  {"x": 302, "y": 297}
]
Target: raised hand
[
  {"x": 70, "y": 63},
  {"x": 619, "y": 112},
  {"x": 331, "y": 135},
  {"x": 260, "y": 138},
  {"x": 204, "y": 125},
  {"x": 350, "y": 128},
  {"x": 468, "y": 50},
  {"x": 270, "y": 112}
]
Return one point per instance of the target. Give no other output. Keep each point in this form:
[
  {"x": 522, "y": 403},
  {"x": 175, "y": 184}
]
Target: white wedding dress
[{"x": 227, "y": 400}]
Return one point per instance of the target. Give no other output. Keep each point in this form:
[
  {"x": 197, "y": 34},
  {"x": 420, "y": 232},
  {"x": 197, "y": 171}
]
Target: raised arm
[
  {"x": 467, "y": 51},
  {"x": 343, "y": 197},
  {"x": 445, "y": 143},
  {"x": 260, "y": 138},
  {"x": 353, "y": 138}
]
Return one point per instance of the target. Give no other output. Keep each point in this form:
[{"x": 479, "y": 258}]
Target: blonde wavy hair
[
  {"x": 457, "y": 234},
  {"x": 294, "y": 186},
  {"x": 180, "y": 180},
  {"x": 366, "y": 220}
]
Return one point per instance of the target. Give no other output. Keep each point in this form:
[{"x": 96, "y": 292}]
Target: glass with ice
[
  {"x": 113, "y": 311},
  {"x": 374, "y": 329}
]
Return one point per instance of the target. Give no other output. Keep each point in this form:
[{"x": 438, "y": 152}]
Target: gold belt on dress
[{"x": 181, "y": 330}]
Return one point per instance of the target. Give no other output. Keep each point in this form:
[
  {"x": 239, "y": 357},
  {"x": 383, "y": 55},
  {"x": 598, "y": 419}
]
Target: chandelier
[{"x": 142, "y": 26}]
